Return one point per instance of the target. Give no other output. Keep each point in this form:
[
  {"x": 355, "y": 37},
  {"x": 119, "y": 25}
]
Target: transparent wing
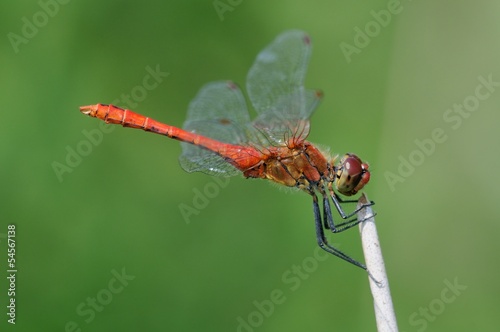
[
  {"x": 276, "y": 90},
  {"x": 278, "y": 128},
  {"x": 218, "y": 111}
]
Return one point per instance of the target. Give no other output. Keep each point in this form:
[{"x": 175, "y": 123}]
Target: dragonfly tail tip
[{"x": 87, "y": 109}]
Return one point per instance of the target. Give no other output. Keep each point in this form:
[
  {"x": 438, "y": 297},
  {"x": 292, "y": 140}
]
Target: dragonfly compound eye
[{"x": 352, "y": 175}]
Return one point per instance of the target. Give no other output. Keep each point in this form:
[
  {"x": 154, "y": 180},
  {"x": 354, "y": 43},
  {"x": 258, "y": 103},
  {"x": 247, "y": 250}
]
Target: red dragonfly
[{"x": 220, "y": 139}]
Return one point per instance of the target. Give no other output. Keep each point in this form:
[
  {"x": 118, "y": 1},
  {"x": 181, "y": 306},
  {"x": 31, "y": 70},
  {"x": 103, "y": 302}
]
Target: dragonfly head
[{"x": 351, "y": 175}]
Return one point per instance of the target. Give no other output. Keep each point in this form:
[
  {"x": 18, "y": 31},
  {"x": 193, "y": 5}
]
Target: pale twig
[{"x": 379, "y": 284}]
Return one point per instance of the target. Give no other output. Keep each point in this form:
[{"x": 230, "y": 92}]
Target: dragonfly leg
[
  {"x": 323, "y": 243},
  {"x": 327, "y": 212},
  {"x": 330, "y": 224},
  {"x": 328, "y": 219},
  {"x": 337, "y": 201},
  {"x": 353, "y": 201}
]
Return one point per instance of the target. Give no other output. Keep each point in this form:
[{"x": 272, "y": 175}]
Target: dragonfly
[{"x": 219, "y": 138}]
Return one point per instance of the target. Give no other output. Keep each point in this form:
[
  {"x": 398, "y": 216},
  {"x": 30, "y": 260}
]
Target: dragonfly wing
[
  {"x": 195, "y": 159},
  {"x": 218, "y": 111},
  {"x": 277, "y": 128},
  {"x": 275, "y": 86},
  {"x": 313, "y": 98}
]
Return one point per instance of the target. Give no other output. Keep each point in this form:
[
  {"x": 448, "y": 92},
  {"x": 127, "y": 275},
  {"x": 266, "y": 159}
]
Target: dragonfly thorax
[
  {"x": 306, "y": 168},
  {"x": 302, "y": 166}
]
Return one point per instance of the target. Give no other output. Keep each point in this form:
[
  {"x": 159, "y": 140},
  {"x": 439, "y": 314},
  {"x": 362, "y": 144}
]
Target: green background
[{"x": 118, "y": 208}]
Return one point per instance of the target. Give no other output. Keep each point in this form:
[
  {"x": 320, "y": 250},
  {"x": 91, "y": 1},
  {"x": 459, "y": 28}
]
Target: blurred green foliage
[{"x": 392, "y": 73}]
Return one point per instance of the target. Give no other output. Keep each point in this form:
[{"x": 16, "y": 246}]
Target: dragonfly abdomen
[{"x": 242, "y": 157}]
